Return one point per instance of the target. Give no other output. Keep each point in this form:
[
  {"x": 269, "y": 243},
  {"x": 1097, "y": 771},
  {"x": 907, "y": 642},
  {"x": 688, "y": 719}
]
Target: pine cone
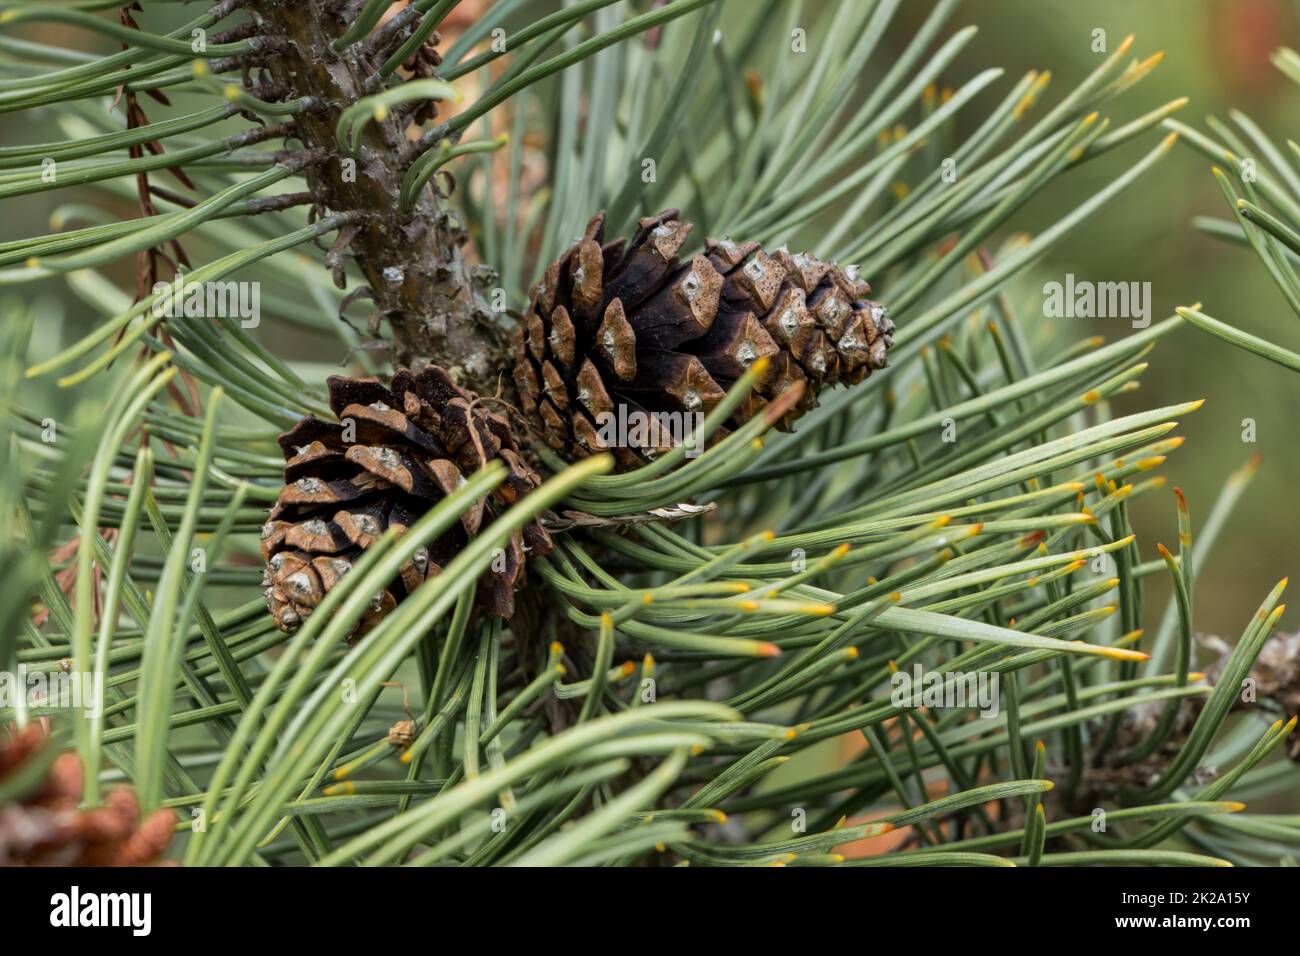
[
  {"x": 1275, "y": 673},
  {"x": 612, "y": 324},
  {"x": 395, "y": 452},
  {"x": 44, "y": 826}
]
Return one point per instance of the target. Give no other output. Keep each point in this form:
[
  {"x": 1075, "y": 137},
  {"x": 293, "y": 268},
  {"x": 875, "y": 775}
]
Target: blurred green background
[{"x": 1216, "y": 53}]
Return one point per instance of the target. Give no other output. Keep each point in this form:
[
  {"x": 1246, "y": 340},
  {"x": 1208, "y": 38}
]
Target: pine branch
[{"x": 422, "y": 283}]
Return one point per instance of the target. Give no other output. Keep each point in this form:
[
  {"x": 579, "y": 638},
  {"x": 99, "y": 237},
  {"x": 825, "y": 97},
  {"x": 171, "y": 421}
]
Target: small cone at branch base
[
  {"x": 44, "y": 824},
  {"x": 619, "y": 329}
]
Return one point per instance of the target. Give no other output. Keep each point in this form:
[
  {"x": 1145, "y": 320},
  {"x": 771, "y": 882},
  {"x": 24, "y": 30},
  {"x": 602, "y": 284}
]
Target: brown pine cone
[
  {"x": 394, "y": 453},
  {"x": 44, "y": 826},
  {"x": 615, "y": 324}
]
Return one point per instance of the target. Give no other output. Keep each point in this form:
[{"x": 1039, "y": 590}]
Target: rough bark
[{"x": 432, "y": 297}]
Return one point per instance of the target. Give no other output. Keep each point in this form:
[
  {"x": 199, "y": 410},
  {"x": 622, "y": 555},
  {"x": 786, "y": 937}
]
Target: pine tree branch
[{"x": 423, "y": 285}]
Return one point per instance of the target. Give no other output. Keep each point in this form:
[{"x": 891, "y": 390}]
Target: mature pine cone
[
  {"x": 394, "y": 453},
  {"x": 616, "y": 324},
  {"x": 44, "y": 827}
]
